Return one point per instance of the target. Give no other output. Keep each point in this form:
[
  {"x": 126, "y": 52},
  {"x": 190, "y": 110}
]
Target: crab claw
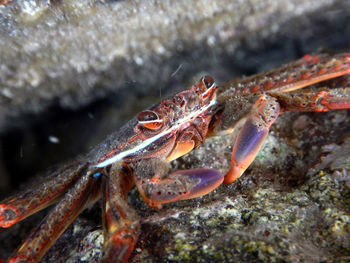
[
  {"x": 252, "y": 135},
  {"x": 203, "y": 180},
  {"x": 180, "y": 185}
]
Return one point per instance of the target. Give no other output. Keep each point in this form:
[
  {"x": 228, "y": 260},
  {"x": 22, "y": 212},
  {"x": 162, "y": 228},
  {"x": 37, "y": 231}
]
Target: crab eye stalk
[
  {"x": 209, "y": 84},
  {"x": 208, "y": 81},
  {"x": 150, "y": 120}
]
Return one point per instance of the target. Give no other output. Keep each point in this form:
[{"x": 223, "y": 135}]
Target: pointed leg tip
[
  {"x": 119, "y": 247},
  {"x": 154, "y": 205},
  {"x": 234, "y": 173},
  {"x": 20, "y": 259},
  {"x": 8, "y": 216}
]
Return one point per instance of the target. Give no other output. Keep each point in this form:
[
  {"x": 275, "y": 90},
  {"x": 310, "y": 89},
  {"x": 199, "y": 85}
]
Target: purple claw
[
  {"x": 252, "y": 135},
  {"x": 204, "y": 180},
  {"x": 182, "y": 185}
]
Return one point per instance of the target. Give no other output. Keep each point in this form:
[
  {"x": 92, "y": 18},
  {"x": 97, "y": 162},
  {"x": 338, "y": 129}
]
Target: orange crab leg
[
  {"x": 334, "y": 95},
  {"x": 252, "y": 136},
  {"x": 120, "y": 221},
  {"x": 322, "y": 101},
  {"x": 17, "y": 208},
  {"x": 304, "y": 72},
  {"x": 52, "y": 226},
  {"x": 318, "y": 69}
]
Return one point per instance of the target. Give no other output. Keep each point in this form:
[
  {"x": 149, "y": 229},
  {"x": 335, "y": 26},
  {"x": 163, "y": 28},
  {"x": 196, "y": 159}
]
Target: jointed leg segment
[
  {"x": 31, "y": 201},
  {"x": 322, "y": 100},
  {"x": 52, "y": 226},
  {"x": 120, "y": 221}
]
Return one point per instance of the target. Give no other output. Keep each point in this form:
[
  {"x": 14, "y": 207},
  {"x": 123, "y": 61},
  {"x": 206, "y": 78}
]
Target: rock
[{"x": 71, "y": 53}]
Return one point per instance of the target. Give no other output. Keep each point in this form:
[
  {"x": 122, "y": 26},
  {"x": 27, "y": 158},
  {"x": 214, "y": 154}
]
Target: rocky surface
[
  {"x": 70, "y": 53},
  {"x": 291, "y": 205}
]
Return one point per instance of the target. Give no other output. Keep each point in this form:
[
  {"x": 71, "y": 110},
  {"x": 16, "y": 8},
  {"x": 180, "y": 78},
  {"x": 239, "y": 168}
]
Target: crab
[{"x": 139, "y": 153}]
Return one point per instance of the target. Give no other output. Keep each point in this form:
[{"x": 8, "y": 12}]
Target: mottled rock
[{"x": 70, "y": 53}]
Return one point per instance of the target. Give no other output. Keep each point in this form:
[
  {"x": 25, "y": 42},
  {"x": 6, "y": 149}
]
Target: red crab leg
[
  {"x": 157, "y": 188},
  {"x": 120, "y": 221},
  {"x": 331, "y": 95},
  {"x": 252, "y": 136},
  {"x": 18, "y": 207},
  {"x": 304, "y": 72},
  {"x": 53, "y": 225}
]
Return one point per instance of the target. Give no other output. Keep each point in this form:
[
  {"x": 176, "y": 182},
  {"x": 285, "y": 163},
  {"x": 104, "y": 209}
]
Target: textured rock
[{"x": 72, "y": 52}]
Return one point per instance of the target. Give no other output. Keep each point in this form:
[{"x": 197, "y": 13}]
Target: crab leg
[
  {"x": 323, "y": 97},
  {"x": 53, "y": 225},
  {"x": 157, "y": 187},
  {"x": 304, "y": 72},
  {"x": 120, "y": 221},
  {"x": 252, "y": 136},
  {"x": 18, "y": 207},
  {"x": 334, "y": 94}
]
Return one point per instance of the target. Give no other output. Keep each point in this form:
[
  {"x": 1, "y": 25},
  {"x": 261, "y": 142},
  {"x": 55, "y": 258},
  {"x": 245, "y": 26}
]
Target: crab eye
[
  {"x": 150, "y": 120},
  {"x": 208, "y": 81}
]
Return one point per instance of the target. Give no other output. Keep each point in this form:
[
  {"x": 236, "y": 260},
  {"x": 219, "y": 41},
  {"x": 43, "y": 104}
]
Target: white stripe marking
[
  {"x": 209, "y": 89},
  {"x": 142, "y": 122},
  {"x": 147, "y": 142}
]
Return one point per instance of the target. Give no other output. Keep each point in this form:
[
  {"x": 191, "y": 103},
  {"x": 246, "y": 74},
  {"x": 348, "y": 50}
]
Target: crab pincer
[
  {"x": 252, "y": 135},
  {"x": 180, "y": 185}
]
